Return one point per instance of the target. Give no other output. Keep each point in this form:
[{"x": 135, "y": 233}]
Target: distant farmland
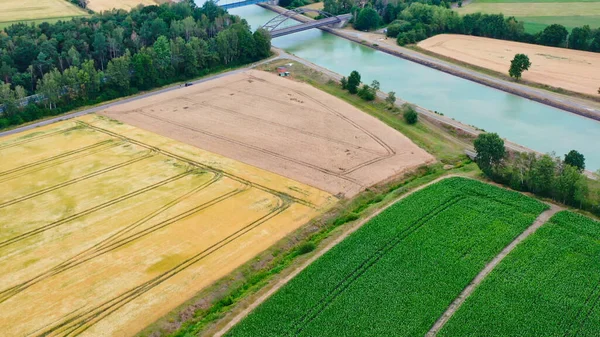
[
  {"x": 15, "y": 11},
  {"x": 548, "y": 286},
  {"x": 399, "y": 272},
  {"x": 105, "y": 228},
  {"x": 537, "y": 14},
  {"x": 105, "y": 5}
]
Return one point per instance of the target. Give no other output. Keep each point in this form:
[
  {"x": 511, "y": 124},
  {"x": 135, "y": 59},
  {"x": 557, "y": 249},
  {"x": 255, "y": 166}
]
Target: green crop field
[
  {"x": 38, "y": 11},
  {"x": 400, "y": 271},
  {"x": 548, "y": 286},
  {"x": 538, "y": 14}
]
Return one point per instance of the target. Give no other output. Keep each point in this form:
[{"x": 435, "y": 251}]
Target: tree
[
  {"x": 366, "y": 92},
  {"x": 118, "y": 72},
  {"x": 49, "y": 87},
  {"x": 391, "y": 99},
  {"x": 567, "y": 183},
  {"x": 367, "y": 19},
  {"x": 375, "y": 85},
  {"x": 579, "y": 37},
  {"x": 262, "y": 41},
  {"x": 353, "y": 82},
  {"x": 344, "y": 83},
  {"x": 543, "y": 175},
  {"x": 490, "y": 151},
  {"x": 410, "y": 114},
  {"x": 554, "y": 35},
  {"x": 519, "y": 64},
  {"x": 575, "y": 159}
]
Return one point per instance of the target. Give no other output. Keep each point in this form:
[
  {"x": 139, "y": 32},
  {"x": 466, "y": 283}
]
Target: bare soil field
[
  {"x": 106, "y": 5},
  {"x": 104, "y": 228},
  {"x": 14, "y": 11},
  {"x": 282, "y": 126},
  {"x": 572, "y": 70}
]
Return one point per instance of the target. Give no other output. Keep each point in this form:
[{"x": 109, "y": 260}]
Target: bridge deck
[
  {"x": 309, "y": 25},
  {"x": 239, "y": 3}
]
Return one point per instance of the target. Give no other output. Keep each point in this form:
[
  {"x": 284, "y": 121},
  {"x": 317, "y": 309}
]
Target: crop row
[
  {"x": 401, "y": 270},
  {"x": 548, "y": 286}
]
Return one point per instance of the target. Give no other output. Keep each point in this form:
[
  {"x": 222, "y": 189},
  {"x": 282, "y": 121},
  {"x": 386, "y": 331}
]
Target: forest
[{"x": 61, "y": 66}]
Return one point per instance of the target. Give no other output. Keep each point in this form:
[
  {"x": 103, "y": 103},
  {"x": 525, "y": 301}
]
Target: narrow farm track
[
  {"x": 456, "y": 304},
  {"x": 240, "y": 316}
]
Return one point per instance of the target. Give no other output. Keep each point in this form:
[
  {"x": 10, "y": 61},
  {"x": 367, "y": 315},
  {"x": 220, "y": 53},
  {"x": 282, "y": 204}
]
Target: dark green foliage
[
  {"x": 91, "y": 59},
  {"x": 353, "y": 82},
  {"x": 367, "y": 19},
  {"x": 575, "y": 159},
  {"x": 410, "y": 114},
  {"x": 518, "y": 64},
  {"x": 490, "y": 151},
  {"x": 367, "y": 92},
  {"x": 379, "y": 280},
  {"x": 554, "y": 35},
  {"x": 344, "y": 83},
  {"x": 426, "y": 18},
  {"x": 305, "y": 248}
]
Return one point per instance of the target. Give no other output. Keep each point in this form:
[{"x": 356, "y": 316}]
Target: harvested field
[
  {"x": 282, "y": 126},
  {"x": 106, "y": 5},
  {"x": 14, "y": 11},
  {"x": 572, "y": 70},
  {"x": 400, "y": 271},
  {"x": 548, "y": 286},
  {"x": 105, "y": 228}
]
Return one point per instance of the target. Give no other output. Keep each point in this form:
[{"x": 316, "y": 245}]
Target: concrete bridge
[{"x": 273, "y": 25}]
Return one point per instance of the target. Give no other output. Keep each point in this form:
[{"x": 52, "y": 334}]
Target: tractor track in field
[
  {"x": 298, "y": 326},
  {"x": 71, "y": 326},
  {"x": 82, "y": 318},
  {"x": 59, "y": 156},
  {"x": 76, "y": 180},
  {"x": 113, "y": 241},
  {"x": 31, "y": 139},
  {"x": 203, "y": 166},
  {"x": 91, "y": 210},
  {"x": 255, "y": 148},
  {"x": 59, "y": 162}
]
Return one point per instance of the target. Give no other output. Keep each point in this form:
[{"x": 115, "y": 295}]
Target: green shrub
[
  {"x": 410, "y": 115},
  {"x": 306, "y": 247}
]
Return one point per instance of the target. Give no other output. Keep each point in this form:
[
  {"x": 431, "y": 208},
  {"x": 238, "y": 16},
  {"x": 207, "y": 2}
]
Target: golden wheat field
[
  {"x": 105, "y": 227},
  {"x": 13, "y": 11}
]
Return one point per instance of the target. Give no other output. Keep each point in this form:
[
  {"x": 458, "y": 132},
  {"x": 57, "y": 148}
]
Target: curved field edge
[
  {"x": 424, "y": 255},
  {"x": 548, "y": 286}
]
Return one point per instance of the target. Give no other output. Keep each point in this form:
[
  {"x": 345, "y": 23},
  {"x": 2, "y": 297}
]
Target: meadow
[
  {"x": 399, "y": 272},
  {"x": 38, "y": 11},
  {"x": 104, "y": 228},
  {"x": 537, "y": 14},
  {"x": 548, "y": 286}
]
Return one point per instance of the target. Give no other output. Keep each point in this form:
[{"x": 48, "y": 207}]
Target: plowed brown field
[
  {"x": 105, "y": 228},
  {"x": 282, "y": 126},
  {"x": 573, "y": 70}
]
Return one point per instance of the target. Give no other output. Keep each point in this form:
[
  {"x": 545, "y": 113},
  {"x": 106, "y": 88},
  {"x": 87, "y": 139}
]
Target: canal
[{"x": 522, "y": 121}]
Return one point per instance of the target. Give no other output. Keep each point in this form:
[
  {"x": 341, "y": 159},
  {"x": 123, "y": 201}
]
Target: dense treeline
[
  {"x": 92, "y": 59},
  {"x": 413, "y": 21},
  {"x": 544, "y": 175},
  {"x": 420, "y": 21}
]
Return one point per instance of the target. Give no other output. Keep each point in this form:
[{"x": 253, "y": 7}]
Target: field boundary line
[
  {"x": 237, "y": 318},
  {"x": 457, "y": 303}
]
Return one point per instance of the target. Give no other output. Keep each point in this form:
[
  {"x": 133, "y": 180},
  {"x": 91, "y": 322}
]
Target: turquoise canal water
[{"x": 531, "y": 124}]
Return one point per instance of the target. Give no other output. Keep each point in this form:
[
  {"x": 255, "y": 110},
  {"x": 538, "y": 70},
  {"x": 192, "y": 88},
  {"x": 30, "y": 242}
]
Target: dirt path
[
  {"x": 320, "y": 253},
  {"x": 542, "y": 219}
]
